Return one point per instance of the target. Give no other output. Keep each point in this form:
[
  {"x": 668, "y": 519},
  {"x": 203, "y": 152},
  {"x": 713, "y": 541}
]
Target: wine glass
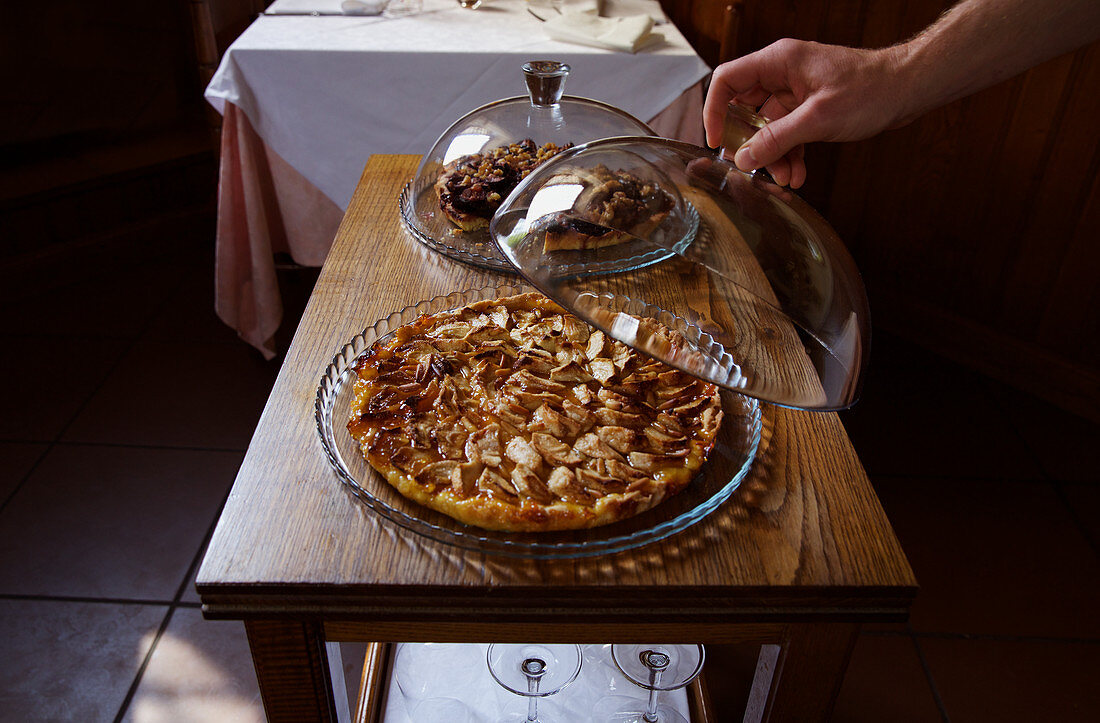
[
  {"x": 656, "y": 668},
  {"x": 436, "y": 670},
  {"x": 533, "y": 671},
  {"x": 433, "y": 710}
]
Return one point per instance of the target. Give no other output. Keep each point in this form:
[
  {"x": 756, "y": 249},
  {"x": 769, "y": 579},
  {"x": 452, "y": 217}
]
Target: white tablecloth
[
  {"x": 327, "y": 92},
  {"x": 307, "y": 100}
]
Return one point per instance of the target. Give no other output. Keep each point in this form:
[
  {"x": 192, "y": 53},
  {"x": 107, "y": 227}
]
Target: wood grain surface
[
  {"x": 804, "y": 537},
  {"x": 377, "y": 669}
]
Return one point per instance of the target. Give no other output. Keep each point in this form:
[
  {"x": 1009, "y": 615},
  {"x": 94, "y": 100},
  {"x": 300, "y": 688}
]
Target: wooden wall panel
[
  {"x": 977, "y": 227},
  {"x": 1060, "y": 199},
  {"x": 1069, "y": 323}
]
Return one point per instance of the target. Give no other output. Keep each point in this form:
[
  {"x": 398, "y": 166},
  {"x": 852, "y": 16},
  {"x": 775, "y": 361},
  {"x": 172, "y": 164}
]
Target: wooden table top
[{"x": 804, "y": 536}]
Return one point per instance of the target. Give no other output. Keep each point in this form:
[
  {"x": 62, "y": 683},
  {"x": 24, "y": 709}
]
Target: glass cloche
[
  {"x": 764, "y": 294},
  {"x": 465, "y": 176}
]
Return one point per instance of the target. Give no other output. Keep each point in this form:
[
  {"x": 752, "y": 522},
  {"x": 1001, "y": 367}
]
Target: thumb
[{"x": 774, "y": 141}]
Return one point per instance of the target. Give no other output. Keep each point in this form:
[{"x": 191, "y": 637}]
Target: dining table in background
[
  {"x": 306, "y": 100},
  {"x": 794, "y": 562}
]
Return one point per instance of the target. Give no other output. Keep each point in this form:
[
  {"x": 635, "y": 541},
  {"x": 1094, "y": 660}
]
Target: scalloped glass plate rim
[
  {"x": 405, "y": 208},
  {"x": 338, "y": 372}
]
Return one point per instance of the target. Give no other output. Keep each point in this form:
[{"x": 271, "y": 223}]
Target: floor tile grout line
[
  {"x": 23, "y": 481},
  {"x": 179, "y": 590},
  {"x": 196, "y": 561},
  {"x": 886, "y": 633},
  {"x": 99, "y": 387},
  {"x": 144, "y": 664},
  {"x": 127, "y": 349},
  {"x": 1002, "y": 638},
  {"x": 929, "y": 677},
  {"x": 76, "y": 413},
  {"x": 1036, "y": 460},
  {"x": 33, "y": 335},
  {"x": 130, "y": 445},
  {"x": 932, "y": 477},
  {"x": 1032, "y": 453},
  {"x": 23, "y": 336},
  {"x": 1078, "y": 522},
  {"x": 165, "y": 301},
  {"x": 83, "y": 599},
  {"x": 176, "y": 604}
]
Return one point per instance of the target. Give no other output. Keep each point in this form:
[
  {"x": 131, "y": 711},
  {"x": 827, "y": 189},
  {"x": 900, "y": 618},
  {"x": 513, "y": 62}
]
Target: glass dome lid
[
  {"x": 765, "y": 296},
  {"x": 449, "y": 212}
]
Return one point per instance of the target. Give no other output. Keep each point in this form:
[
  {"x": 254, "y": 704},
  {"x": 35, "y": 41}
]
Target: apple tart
[{"x": 512, "y": 414}]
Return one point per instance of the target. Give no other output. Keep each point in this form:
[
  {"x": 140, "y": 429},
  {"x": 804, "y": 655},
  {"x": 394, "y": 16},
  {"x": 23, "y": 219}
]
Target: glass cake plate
[
  {"x": 725, "y": 468},
  {"x": 545, "y": 115}
]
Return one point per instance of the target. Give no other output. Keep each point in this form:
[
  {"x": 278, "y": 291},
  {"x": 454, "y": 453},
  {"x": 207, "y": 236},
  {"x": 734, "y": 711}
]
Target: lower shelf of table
[{"x": 377, "y": 666}]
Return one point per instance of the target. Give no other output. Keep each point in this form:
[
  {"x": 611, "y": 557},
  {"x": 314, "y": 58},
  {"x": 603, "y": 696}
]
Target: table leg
[
  {"x": 799, "y": 678},
  {"x": 292, "y": 670}
]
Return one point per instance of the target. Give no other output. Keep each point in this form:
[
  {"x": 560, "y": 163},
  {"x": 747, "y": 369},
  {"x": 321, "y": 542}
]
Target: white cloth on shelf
[{"x": 466, "y": 684}]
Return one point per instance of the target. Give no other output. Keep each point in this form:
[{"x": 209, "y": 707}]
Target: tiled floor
[{"x": 117, "y": 450}]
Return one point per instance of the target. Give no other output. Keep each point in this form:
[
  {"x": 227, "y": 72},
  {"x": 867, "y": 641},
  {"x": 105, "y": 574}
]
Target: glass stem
[
  {"x": 533, "y": 706},
  {"x": 651, "y": 708},
  {"x": 534, "y": 673}
]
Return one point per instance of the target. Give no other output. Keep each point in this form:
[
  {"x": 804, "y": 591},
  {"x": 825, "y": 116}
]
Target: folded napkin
[
  {"x": 626, "y": 8},
  {"x": 614, "y": 8},
  {"x": 326, "y": 7},
  {"x": 363, "y": 7},
  {"x": 629, "y": 34},
  {"x": 583, "y": 7}
]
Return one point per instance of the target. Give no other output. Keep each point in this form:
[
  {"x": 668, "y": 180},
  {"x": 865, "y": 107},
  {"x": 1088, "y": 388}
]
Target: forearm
[
  {"x": 979, "y": 43},
  {"x": 815, "y": 92}
]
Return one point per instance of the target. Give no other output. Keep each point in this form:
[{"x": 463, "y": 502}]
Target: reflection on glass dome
[{"x": 465, "y": 144}]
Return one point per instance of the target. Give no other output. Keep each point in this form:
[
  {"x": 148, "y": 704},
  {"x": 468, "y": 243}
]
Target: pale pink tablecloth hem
[{"x": 265, "y": 207}]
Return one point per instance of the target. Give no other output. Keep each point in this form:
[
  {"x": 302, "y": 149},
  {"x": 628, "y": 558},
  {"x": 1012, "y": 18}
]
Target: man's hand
[
  {"x": 809, "y": 92},
  {"x": 814, "y": 92}
]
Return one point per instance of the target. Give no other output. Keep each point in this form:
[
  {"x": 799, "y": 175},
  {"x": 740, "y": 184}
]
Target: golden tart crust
[{"x": 512, "y": 414}]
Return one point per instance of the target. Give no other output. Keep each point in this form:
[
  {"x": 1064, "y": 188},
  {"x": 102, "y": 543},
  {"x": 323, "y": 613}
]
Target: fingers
[
  {"x": 760, "y": 79},
  {"x": 773, "y": 109},
  {"x": 776, "y": 140},
  {"x": 736, "y": 80},
  {"x": 790, "y": 170},
  {"x": 714, "y": 110},
  {"x": 781, "y": 171},
  {"x": 750, "y": 79},
  {"x": 797, "y": 159}
]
